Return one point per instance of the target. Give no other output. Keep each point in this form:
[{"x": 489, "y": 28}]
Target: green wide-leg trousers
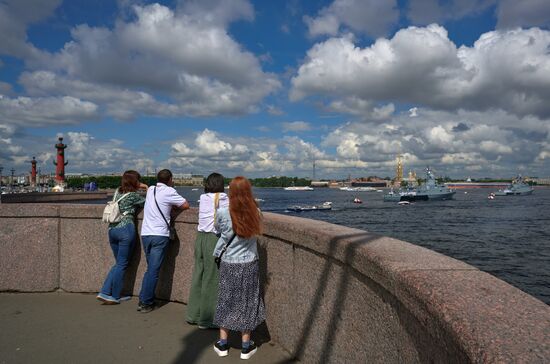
[{"x": 203, "y": 295}]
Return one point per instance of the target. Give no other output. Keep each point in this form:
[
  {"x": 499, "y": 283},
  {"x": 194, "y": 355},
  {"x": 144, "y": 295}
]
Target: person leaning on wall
[
  {"x": 204, "y": 284},
  {"x": 122, "y": 236},
  {"x": 240, "y": 306},
  {"x": 155, "y": 233}
]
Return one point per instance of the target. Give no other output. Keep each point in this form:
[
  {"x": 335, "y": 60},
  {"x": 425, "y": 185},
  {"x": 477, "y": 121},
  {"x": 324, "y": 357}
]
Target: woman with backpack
[
  {"x": 122, "y": 236},
  {"x": 240, "y": 306},
  {"x": 204, "y": 284}
]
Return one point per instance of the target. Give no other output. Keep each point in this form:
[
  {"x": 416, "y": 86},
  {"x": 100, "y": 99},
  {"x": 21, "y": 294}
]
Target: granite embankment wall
[
  {"x": 36, "y": 197},
  {"x": 333, "y": 294}
]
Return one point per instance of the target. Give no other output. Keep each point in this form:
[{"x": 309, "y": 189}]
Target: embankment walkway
[{"x": 75, "y": 328}]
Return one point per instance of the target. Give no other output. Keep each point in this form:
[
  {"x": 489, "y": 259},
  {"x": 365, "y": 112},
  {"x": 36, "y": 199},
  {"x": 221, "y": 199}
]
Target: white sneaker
[
  {"x": 221, "y": 350},
  {"x": 248, "y": 352}
]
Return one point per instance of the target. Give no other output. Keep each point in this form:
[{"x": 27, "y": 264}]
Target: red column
[
  {"x": 60, "y": 163},
  {"x": 33, "y": 172}
]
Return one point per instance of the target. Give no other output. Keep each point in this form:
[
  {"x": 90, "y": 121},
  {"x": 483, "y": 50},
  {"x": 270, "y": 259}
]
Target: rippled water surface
[{"x": 508, "y": 237}]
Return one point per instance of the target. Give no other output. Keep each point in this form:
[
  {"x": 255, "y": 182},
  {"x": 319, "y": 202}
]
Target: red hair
[{"x": 243, "y": 209}]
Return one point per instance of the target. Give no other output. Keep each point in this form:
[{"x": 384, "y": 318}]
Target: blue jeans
[
  {"x": 154, "y": 248},
  {"x": 122, "y": 242}
]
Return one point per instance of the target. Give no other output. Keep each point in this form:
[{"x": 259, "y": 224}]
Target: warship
[
  {"x": 428, "y": 191},
  {"x": 517, "y": 187}
]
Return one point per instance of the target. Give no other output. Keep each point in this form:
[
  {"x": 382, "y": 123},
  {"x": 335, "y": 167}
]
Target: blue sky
[{"x": 265, "y": 88}]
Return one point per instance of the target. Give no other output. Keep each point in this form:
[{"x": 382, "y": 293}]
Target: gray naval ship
[
  {"x": 428, "y": 191},
  {"x": 518, "y": 187}
]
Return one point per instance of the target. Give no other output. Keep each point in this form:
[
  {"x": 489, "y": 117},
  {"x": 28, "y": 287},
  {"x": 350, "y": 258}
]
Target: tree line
[{"x": 104, "y": 182}]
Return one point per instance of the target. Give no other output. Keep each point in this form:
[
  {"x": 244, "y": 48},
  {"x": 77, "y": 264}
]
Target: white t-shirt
[
  {"x": 206, "y": 211},
  {"x": 167, "y": 197}
]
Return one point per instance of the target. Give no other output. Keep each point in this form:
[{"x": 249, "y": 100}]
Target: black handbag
[
  {"x": 218, "y": 259},
  {"x": 173, "y": 233}
]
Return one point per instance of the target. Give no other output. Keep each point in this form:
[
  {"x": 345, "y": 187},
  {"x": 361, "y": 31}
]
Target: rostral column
[
  {"x": 60, "y": 163},
  {"x": 33, "y": 172}
]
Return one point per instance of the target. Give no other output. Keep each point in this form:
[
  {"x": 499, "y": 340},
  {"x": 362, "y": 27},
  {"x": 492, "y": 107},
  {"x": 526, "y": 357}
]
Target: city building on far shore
[
  {"x": 320, "y": 183},
  {"x": 370, "y": 182},
  {"x": 539, "y": 181},
  {"x": 188, "y": 179},
  {"x": 15, "y": 180}
]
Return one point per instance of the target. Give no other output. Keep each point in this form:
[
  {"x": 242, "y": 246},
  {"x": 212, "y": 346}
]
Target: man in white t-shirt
[{"x": 155, "y": 233}]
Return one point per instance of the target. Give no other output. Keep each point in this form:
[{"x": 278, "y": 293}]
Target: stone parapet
[
  {"x": 29, "y": 246},
  {"x": 38, "y": 197},
  {"x": 332, "y": 293}
]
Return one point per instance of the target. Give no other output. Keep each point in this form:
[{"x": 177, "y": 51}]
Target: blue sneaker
[{"x": 107, "y": 300}]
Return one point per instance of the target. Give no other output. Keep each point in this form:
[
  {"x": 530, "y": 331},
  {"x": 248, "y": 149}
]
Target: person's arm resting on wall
[{"x": 178, "y": 202}]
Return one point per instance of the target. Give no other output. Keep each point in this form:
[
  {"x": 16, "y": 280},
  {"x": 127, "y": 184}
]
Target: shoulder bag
[
  {"x": 218, "y": 259},
  {"x": 171, "y": 229}
]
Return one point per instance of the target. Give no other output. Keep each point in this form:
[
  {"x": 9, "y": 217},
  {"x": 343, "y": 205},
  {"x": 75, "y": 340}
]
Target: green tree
[{"x": 282, "y": 181}]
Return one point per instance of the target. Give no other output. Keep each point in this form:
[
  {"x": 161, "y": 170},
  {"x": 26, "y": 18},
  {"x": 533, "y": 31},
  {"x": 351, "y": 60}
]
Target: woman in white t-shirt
[{"x": 204, "y": 285}]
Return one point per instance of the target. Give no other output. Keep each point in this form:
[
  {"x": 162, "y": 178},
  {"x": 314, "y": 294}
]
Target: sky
[{"x": 262, "y": 88}]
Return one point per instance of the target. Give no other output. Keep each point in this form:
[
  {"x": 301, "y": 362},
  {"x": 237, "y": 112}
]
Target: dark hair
[
  {"x": 129, "y": 182},
  {"x": 214, "y": 183},
  {"x": 164, "y": 176}
]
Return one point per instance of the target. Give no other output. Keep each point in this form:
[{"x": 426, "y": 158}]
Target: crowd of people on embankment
[{"x": 225, "y": 287}]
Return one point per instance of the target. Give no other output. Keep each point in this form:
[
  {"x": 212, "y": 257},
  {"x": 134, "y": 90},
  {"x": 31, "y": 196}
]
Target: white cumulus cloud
[
  {"x": 422, "y": 66},
  {"x": 159, "y": 62},
  {"x": 41, "y": 111}
]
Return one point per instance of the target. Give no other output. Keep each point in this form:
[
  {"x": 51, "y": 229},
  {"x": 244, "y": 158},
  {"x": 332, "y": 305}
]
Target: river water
[{"x": 508, "y": 237}]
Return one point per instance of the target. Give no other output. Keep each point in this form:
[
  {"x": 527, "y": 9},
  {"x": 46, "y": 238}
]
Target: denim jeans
[
  {"x": 122, "y": 242},
  {"x": 154, "y": 248}
]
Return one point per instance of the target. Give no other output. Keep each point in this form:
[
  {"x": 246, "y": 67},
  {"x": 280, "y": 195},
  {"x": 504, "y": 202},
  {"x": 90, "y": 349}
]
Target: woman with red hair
[{"x": 239, "y": 306}]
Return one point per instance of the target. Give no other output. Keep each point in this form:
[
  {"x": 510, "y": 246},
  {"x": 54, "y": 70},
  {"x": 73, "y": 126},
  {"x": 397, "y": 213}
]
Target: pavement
[{"x": 63, "y": 327}]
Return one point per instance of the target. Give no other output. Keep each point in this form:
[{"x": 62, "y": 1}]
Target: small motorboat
[
  {"x": 300, "y": 208},
  {"x": 491, "y": 196},
  {"x": 403, "y": 203},
  {"x": 298, "y": 188},
  {"x": 356, "y": 200}
]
